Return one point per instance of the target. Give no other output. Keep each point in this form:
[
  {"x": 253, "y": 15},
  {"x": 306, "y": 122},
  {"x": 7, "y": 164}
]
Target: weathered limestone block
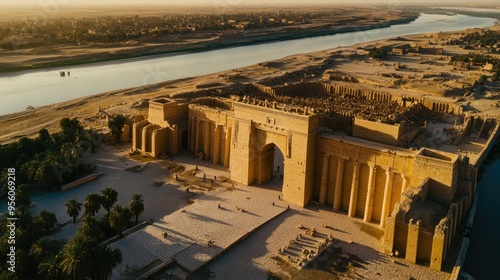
[
  {"x": 412, "y": 242},
  {"x": 439, "y": 245},
  {"x": 125, "y": 137},
  {"x": 159, "y": 142}
]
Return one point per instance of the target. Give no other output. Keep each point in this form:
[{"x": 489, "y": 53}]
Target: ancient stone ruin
[{"x": 391, "y": 161}]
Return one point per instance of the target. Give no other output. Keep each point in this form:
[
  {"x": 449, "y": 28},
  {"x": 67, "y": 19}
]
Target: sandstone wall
[
  {"x": 442, "y": 167},
  {"x": 379, "y": 132},
  {"x": 210, "y": 131},
  {"x": 164, "y": 111},
  {"x": 362, "y": 177}
]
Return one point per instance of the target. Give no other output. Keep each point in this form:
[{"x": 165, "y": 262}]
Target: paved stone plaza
[
  {"x": 190, "y": 227},
  {"x": 197, "y": 233}
]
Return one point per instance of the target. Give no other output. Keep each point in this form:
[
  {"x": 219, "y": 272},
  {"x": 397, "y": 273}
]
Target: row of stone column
[
  {"x": 198, "y": 127},
  {"x": 369, "y": 94},
  {"x": 338, "y": 121},
  {"x": 337, "y": 196},
  {"x": 440, "y": 107}
]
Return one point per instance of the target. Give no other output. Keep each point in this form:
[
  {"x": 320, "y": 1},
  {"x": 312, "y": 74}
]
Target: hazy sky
[{"x": 232, "y": 2}]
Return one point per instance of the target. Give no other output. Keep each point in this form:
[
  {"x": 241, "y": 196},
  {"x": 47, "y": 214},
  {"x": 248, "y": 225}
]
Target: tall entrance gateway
[{"x": 257, "y": 130}]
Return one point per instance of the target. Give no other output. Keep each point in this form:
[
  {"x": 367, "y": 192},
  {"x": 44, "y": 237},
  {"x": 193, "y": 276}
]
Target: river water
[
  {"x": 483, "y": 255},
  {"x": 44, "y": 87}
]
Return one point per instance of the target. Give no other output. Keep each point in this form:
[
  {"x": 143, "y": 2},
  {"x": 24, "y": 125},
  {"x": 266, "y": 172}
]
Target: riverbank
[
  {"x": 347, "y": 60},
  {"x": 65, "y": 55}
]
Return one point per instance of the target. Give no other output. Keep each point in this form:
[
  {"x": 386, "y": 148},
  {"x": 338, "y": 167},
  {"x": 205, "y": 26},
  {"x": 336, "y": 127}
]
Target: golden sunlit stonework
[{"x": 370, "y": 170}]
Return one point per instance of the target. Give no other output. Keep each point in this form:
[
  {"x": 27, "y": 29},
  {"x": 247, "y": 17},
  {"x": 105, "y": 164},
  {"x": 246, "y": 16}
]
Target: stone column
[
  {"x": 354, "y": 190},
  {"x": 227, "y": 148},
  {"x": 337, "y": 196},
  {"x": 405, "y": 184},
  {"x": 369, "y": 194},
  {"x": 190, "y": 135},
  {"x": 217, "y": 144},
  {"x": 206, "y": 144},
  {"x": 386, "y": 204},
  {"x": 412, "y": 241},
  {"x": 438, "y": 248},
  {"x": 324, "y": 180},
  {"x": 197, "y": 137}
]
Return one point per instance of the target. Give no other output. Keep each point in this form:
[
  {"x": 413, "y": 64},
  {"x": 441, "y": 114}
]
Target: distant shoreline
[
  {"x": 29, "y": 122},
  {"x": 220, "y": 43}
]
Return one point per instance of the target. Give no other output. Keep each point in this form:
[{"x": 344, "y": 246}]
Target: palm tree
[
  {"x": 92, "y": 204},
  {"x": 108, "y": 259},
  {"x": 77, "y": 259},
  {"x": 50, "y": 269},
  {"x": 108, "y": 197},
  {"x": 90, "y": 139},
  {"x": 83, "y": 258},
  {"x": 45, "y": 221},
  {"x": 73, "y": 208},
  {"x": 45, "y": 169},
  {"x": 44, "y": 248},
  {"x": 136, "y": 206},
  {"x": 71, "y": 154},
  {"x": 90, "y": 227},
  {"x": 23, "y": 195},
  {"x": 119, "y": 218}
]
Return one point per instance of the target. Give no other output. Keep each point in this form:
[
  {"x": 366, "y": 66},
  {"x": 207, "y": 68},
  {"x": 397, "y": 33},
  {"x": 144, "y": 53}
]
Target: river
[
  {"x": 482, "y": 261},
  {"x": 44, "y": 87}
]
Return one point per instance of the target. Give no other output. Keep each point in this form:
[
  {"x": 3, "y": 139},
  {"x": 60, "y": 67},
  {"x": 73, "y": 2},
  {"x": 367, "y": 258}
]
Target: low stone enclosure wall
[
  {"x": 412, "y": 232},
  {"x": 81, "y": 181}
]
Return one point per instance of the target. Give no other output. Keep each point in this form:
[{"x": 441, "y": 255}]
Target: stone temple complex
[{"x": 405, "y": 165}]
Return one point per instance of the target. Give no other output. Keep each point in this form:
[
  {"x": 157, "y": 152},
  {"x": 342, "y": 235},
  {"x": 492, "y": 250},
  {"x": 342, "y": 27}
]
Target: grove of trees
[{"x": 49, "y": 159}]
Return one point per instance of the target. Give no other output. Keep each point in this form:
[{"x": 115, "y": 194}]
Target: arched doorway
[{"x": 269, "y": 165}]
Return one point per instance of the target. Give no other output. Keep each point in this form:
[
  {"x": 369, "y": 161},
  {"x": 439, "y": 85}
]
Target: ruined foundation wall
[
  {"x": 415, "y": 242},
  {"x": 442, "y": 167},
  {"x": 379, "y": 96},
  {"x": 126, "y": 133},
  {"x": 405, "y": 236},
  {"x": 488, "y": 146}
]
